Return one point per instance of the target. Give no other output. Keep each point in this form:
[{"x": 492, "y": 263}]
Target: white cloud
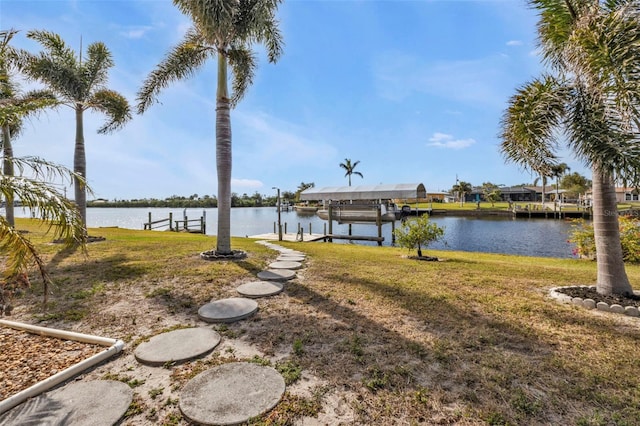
[
  {"x": 442, "y": 140},
  {"x": 246, "y": 183},
  {"x": 136, "y": 33},
  {"x": 514, "y": 43}
]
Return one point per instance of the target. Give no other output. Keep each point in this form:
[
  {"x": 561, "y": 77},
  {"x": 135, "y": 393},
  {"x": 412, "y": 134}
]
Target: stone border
[{"x": 631, "y": 311}]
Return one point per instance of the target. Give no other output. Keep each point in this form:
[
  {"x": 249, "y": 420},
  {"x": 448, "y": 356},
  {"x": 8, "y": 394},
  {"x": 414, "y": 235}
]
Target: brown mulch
[
  {"x": 590, "y": 293},
  {"x": 30, "y": 358}
]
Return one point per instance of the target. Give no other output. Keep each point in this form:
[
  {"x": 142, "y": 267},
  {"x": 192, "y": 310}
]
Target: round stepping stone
[
  {"x": 228, "y": 310},
  {"x": 289, "y": 258},
  {"x": 177, "y": 346},
  {"x": 260, "y": 289},
  {"x": 285, "y": 265},
  {"x": 292, "y": 252},
  {"x": 276, "y": 275},
  {"x": 231, "y": 394},
  {"x": 91, "y": 403}
]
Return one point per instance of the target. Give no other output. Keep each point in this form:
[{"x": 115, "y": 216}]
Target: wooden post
[
  {"x": 202, "y": 224},
  {"x": 149, "y": 222},
  {"x": 310, "y": 228},
  {"x": 274, "y": 227},
  {"x": 285, "y": 228},
  {"x": 393, "y": 234},
  {"x": 379, "y": 223},
  {"x": 186, "y": 226},
  {"x": 330, "y": 222},
  {"x": 170, "y": 221}
]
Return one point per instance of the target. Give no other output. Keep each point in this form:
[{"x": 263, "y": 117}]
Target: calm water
[{"x": 528, "y": 237}]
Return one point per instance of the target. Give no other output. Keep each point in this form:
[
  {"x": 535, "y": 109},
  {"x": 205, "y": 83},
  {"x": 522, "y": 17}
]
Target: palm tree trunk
[
  {"x": 223, "y": 159},
  {"x": 612, "y": 277},
  {"x": 80, "y": 167},
  {"x": 7, "y": 170}
]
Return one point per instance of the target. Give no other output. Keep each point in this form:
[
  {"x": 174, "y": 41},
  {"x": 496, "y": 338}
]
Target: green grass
[{"x": 472, "y": 339}]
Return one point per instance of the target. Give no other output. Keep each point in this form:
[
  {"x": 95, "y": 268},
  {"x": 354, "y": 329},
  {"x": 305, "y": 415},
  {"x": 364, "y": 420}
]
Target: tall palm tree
[
  {"x": 226, "y": 30},
  {"x": 15, "y": 106},
  {"x": 350, "y": 168},
  {"x": 593, "y": 94},
  {"x": 81, "y": 85}
]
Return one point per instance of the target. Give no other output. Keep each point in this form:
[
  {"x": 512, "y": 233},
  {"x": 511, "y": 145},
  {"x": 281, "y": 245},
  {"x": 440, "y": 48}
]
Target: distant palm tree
[
  {"x": 15, "y": 106},
  {"x": 350, "y": 169},
  {"x": 558, "y": 171},
  {"x": 80, "y": 85},
  {"x": 593, "y": 96},
  {"x": 462, "y": 188},
  {"x": 226, "y": 30}
]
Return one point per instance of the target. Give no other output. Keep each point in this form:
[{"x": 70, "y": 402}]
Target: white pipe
[{"x": 115, "y": 347}]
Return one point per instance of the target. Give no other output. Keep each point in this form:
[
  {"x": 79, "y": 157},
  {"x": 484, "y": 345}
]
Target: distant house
[
  {"x": 623, "y": 194},
  {"x": 531, "y": 194}
]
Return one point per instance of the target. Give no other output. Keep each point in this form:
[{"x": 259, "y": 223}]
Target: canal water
[{"x": 528, "y": 237}]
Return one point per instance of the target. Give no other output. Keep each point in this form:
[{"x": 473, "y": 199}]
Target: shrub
[
  {"x": 582, "y": 236},
  {"x": 418, "y": 232}
]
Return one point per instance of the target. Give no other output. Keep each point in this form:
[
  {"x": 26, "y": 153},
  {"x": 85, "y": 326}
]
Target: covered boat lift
[
  {"x": 365, "y": 192},
  {"x": 372, "y": 205}
]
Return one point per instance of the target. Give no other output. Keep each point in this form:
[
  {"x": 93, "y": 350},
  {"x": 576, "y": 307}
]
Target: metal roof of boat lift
[{"x": 365, "y": 192}]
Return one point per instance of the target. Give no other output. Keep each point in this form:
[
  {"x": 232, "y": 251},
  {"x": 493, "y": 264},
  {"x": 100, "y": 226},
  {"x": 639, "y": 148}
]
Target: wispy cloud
[
  {"x": 443, "y": 140},
  {"x": 246, "y": 183},
  {"x": 514, "y": 43},
  {"x": 136, "y": 32},
  {"x": 474, "y": 82}
]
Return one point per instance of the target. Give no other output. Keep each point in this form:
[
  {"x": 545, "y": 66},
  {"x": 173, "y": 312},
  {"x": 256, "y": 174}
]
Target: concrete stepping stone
[
  {"x": 82, "y": 403},
  {"x": 290, "y": 258},
  {"x": 177, "y": 346},
  {"x": 276, "y": 275},
  {"x": 285, "y": 264},
  {"x": 257, "y": 289},
  {"x": 228, "y": 310},
  {"x": 231, "y": 394}
]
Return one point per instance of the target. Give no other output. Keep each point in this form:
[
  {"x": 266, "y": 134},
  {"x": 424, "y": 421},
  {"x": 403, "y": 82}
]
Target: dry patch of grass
[{"x": 472, "y": 339}]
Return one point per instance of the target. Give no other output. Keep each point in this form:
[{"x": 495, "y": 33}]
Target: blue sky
[{"x": 414, "y": 90}]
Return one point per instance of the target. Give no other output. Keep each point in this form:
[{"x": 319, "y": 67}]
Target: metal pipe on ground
[{"x": 115, "y": 346}]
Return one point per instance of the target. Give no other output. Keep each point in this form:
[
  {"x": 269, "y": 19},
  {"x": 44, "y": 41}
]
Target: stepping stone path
[
  {"x": 228, "y": 310},
  {"x": 257, "y": 289},
  {"x": 177, "y": 346},
  {"x": 231, "y": 394},
  {"x": 227, "y": 394}
]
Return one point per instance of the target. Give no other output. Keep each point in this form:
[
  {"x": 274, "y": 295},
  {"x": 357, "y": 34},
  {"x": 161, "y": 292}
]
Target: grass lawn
[{"x": 472, "y": 339}]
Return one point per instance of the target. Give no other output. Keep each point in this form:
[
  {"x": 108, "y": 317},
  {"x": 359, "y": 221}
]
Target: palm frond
[
  {"x": 96, "y": 69},
  {"x": 114, "y": 106},
  {"x": 181, "y": 62},
  {"x": 20, "y": 252},
  {"x": 243, "y": 66}
]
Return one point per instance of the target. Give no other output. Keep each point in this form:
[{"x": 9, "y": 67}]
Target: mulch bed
[{"x": 30, "y": 358}]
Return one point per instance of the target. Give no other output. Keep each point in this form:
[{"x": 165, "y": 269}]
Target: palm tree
[
  {"x": 350, "y": 169},
  {"x": 543, "y": 179},
  {"x": 592, "y": 47},
  {"x": 15, "y": 107},
  {"x": 80, "y": 85},
  {"x": 226, "y": 30},
  {"x": 462, "y": 188},
  {"x": 558, "y": 171}
]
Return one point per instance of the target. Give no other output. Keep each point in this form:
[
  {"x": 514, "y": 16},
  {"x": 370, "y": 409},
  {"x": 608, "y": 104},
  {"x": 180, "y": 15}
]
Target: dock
[{"x": 288, "y": 237}]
